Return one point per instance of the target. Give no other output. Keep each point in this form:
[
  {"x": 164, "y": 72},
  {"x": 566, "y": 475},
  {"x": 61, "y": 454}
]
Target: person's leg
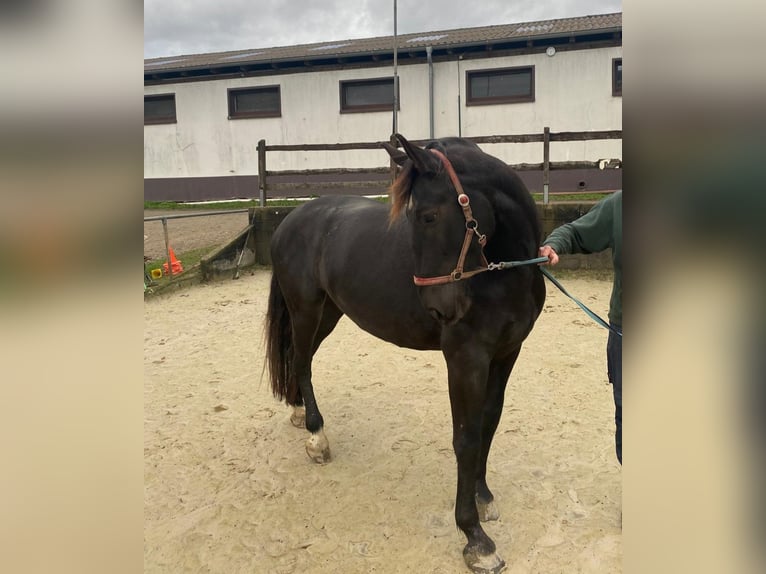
[{"x": 614, "y": 370}]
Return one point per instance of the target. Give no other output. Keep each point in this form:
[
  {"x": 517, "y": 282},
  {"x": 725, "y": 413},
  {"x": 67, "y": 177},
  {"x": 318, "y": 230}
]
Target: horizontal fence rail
[
  {"x": 324, "y": 147},
  {"x": 331, "y": 171},
  {"x": 344, "y": 178},
  {"x": 187, "y": 215}
]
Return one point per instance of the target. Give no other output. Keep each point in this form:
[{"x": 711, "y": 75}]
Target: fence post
[
  {"x": 546, "y": 162},
  {"x": 167, "y": 246},
  {"x": 262, "y": 172}
]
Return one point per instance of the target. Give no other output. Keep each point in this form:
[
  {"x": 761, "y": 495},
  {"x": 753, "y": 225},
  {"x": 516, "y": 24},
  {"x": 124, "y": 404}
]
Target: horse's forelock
[{"x": 400, "y": 191}]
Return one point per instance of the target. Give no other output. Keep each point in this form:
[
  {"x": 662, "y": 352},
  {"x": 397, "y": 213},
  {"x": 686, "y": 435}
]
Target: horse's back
[
  {"x": 346, "y": 249},
  {"x": 315, "y": 216},
  {"x": 328, "y": 235}
]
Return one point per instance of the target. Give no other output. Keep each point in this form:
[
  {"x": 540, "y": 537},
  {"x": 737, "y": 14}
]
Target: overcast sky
[{"x": 173, "y": 27}]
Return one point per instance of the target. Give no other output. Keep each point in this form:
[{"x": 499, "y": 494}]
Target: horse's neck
[
  {"x": 514, "y": 240},
  {"x": 516, "y": 228}
]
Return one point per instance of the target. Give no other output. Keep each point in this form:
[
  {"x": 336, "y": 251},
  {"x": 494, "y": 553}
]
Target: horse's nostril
[{"x": 442, "y": 318}]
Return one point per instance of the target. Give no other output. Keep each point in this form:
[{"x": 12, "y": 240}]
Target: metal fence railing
[{"x": 164, "y": 220}]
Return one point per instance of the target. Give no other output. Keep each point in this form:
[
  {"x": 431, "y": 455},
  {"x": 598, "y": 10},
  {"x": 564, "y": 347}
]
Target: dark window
[
  {"x": 500, "y": 86},
  {"x": 160, "y": 109},
  {"x": 617, "y": 76},
  {"x": 264, "y": 102},
  {"x": 367, "y": 95}
]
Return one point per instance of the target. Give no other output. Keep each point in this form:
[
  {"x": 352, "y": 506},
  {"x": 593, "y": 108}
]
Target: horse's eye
[{"x": 428, "y": 217}]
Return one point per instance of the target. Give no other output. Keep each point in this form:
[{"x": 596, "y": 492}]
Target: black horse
[{"x": 418, "y": 281}]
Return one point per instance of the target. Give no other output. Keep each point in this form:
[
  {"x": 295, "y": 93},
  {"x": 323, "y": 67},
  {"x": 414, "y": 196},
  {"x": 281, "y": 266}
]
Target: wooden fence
[{"x": 376, "y": 180}]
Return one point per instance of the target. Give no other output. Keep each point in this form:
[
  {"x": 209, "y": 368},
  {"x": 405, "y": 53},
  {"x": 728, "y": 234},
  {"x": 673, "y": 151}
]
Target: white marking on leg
[
  {"x": 298, "y": 418},
  {"x": 487, "y": 510},
  {"x": 318, "y": 447}
]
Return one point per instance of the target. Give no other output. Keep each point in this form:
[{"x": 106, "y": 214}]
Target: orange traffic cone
[{"x": 175, "y": 264}]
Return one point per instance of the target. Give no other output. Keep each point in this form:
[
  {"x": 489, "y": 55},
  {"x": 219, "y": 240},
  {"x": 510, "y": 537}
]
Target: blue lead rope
[
  {"x": 509, "y": 264},
  {"x": 588, "y": 312},
  {"x": 552, "y": 279}
]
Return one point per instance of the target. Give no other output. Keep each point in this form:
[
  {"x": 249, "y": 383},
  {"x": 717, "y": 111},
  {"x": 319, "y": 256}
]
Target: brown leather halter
[{"x": 471, "y": 229}]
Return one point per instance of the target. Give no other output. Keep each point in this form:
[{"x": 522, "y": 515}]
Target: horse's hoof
[
  {"x": 298, "y": 418},
  {"x": 487, "y": 510},
  {"x": 318, "y": 448},
  {"x": 483, "y": 563}
]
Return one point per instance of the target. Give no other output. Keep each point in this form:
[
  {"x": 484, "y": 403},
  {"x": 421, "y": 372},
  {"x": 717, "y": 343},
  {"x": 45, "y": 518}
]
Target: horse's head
[{"x": 426, "y": 194}]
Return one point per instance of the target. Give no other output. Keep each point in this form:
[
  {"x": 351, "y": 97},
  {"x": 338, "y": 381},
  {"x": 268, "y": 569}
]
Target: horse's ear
[
  {"x": 424, "y": 161},
  {"x": 399, "y": 157}
]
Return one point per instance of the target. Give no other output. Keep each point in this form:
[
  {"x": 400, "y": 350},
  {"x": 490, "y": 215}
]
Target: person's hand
[{"x": 547, "y": 251}]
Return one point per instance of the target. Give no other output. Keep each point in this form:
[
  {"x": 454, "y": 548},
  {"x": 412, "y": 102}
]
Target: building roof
[{"x": 350, "y": 50}]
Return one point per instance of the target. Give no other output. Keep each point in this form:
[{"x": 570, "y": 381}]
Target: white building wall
[{"x": 573, "y": 92}]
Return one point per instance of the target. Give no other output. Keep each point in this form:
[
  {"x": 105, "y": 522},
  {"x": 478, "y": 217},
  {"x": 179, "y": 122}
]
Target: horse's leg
[
  {"x": 499, "y": 371},
  {"x": 467, "y": 372},
  {"x": 330, "y": 317},
  {"x": 310, "y": 326}
]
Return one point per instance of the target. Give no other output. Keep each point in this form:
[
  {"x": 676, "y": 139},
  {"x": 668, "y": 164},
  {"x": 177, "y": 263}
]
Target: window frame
[
  {"x": 231, "y": 94},
  {"x": 161, "y": 119},
  {"x": 470, "y": 100},
  {"x": 346, "y": 109},
  {"x": 616, "y": 90}
]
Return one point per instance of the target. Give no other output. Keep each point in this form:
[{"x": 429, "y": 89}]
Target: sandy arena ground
[{"x": 229, "y": 488}]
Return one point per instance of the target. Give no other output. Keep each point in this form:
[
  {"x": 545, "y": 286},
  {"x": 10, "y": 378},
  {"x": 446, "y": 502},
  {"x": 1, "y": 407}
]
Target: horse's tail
[{"x": 279, "y": 342}]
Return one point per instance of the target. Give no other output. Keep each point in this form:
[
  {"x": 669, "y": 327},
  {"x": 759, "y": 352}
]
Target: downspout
[
  {"x": 396, "y": 81},
  {"x": 429, "y": 52},
  {"x": 459, "y": 110}
]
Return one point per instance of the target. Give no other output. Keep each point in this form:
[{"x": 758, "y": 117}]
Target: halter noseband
[{"x": 471, "y": 229}]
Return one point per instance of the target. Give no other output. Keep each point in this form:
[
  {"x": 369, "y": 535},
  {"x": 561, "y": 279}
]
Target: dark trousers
[{"x": 614, "y": 371}]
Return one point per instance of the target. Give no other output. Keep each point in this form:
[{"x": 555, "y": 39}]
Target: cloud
[{"x": 173, "y": 27}]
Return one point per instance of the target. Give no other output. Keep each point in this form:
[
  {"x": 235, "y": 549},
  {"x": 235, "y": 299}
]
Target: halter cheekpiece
[{"x": 471, "y": 229}]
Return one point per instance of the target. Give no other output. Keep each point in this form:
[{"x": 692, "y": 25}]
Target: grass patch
[
  {"x": 179, "y": 205},
  {"x": 237, "y": 204}
]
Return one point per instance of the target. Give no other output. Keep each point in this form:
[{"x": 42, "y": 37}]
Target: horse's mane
[{"x": 400, "y": 191}]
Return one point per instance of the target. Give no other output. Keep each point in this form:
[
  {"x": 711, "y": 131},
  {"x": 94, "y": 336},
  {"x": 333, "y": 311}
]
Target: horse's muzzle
[
  {"x": 446, "y": 320},
  {"x": 446, "y": 303}
]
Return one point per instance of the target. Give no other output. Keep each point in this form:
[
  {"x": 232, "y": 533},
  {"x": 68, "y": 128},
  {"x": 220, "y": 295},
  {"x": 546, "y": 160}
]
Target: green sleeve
[{"x": 591, "y": 233}]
